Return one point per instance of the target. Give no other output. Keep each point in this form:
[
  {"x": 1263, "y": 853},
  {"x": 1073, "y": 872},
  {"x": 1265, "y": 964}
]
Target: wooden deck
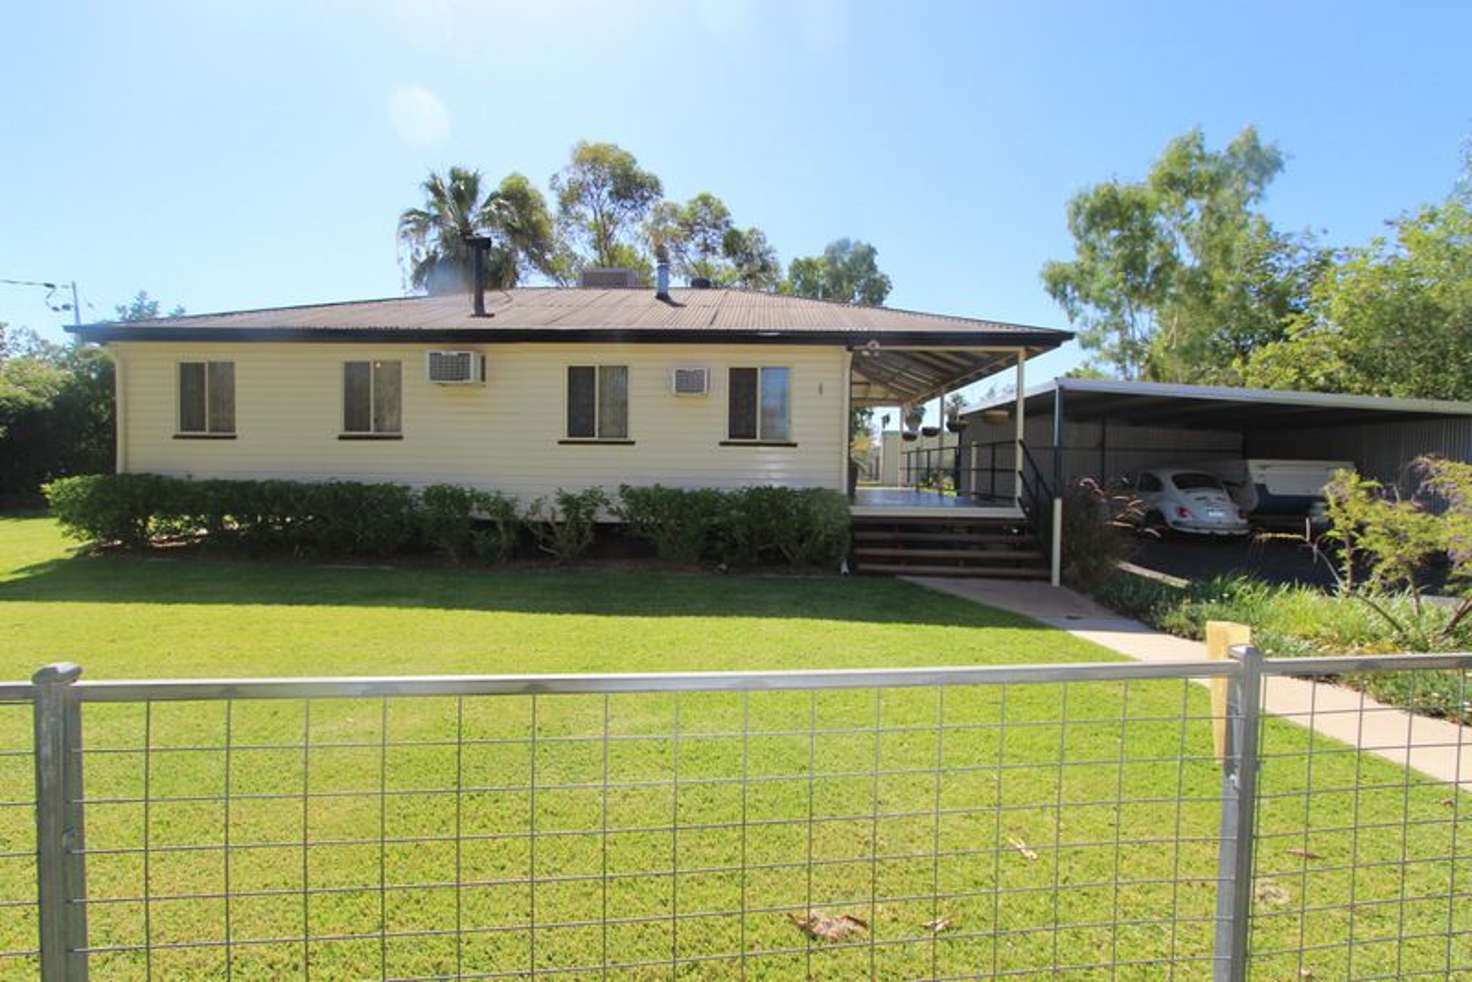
[{"x": 918, "y": 503}]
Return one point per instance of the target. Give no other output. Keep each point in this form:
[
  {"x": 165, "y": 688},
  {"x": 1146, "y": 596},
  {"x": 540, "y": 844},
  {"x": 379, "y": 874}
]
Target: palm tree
[{"x": 514, "y": 215}]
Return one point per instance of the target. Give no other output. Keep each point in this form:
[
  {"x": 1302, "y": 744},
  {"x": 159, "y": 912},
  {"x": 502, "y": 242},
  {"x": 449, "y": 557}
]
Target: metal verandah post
[
  {"x": 1239, "y": 806},
  {"x": 60, "y": 882}
]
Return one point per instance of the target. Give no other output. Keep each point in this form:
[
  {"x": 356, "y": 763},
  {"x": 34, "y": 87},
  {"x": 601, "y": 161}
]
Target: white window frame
[
  {"x": 179, "y": 398},
  {"x": 342, "y": 399},
  {"x": 597, "y": 368},
  {"x": 760, "y": 437}
]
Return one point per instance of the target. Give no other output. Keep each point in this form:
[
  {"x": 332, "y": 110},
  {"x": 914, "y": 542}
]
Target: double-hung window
[
  {"x": 598, "y": 402},
  {"x": 206, "y": 398},
  {"x": 760, "y": 405},
  {"x": 372, "y": 398}
]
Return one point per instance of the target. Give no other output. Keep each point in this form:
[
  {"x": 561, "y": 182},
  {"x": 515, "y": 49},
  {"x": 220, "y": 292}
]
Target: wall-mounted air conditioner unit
[
  {"x": 690, "y": 380},
  {"x": 454, "y": 367}
]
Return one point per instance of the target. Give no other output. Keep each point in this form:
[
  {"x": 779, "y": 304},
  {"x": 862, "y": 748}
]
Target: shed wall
[{"x": 1383, "y": 451}]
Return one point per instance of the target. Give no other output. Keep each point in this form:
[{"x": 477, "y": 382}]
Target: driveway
[{"x": 1274, "y": 561}]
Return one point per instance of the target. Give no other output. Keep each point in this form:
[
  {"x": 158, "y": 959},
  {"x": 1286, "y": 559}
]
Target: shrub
[
  {"x": 445, "y": 519},
  {"x": 494, "y": 539},
  {"x": 565, "y": 530},
  {"x": 806, "y": 526},
  {"x": 682, "y": 525},
  {"x": 462, "y": 522},
  {"x": 106, "y": 508},
  {"x": 1098, "y": 532},
  {"x": 360, "y": 519}
]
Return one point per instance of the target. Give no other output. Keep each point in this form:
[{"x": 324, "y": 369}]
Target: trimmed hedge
[{"x": 744, "y": 527}]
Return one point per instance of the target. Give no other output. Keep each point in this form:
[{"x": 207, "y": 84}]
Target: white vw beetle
[{"x": 1185, "y": 500}]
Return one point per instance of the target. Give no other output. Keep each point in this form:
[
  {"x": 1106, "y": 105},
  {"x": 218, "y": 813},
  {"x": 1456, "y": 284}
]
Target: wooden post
[{"x": 1221, "y": 636}]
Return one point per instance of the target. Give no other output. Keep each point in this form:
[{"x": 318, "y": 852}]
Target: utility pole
[{"x": 76, "y": 307}]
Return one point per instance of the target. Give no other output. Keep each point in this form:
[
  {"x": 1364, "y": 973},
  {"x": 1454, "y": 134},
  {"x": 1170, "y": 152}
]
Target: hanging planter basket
[
  {"x": 956, "y": 425},
  {"x": 930, "y": 430},
  {"x": 909, "y": 436}
]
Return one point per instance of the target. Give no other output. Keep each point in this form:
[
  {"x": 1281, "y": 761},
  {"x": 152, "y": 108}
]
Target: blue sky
[{"x": 257, "y": 154}]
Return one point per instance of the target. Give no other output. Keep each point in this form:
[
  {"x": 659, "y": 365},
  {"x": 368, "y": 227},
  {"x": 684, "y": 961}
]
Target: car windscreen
[{"x": 1196, "y": 482}]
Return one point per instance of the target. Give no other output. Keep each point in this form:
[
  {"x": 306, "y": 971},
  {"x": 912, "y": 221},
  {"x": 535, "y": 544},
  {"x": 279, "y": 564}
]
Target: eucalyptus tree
[
  {"x": 847, "y": 272},
  {"x": 603, "y": 196}
]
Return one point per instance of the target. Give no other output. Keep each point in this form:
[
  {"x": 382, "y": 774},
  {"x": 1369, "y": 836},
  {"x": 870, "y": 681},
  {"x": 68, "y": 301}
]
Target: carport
[{"x": 1107, "y": 429}]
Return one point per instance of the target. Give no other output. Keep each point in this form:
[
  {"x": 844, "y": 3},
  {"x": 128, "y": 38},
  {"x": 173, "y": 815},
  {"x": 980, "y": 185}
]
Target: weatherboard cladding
[{"x": 566, "y": 312}]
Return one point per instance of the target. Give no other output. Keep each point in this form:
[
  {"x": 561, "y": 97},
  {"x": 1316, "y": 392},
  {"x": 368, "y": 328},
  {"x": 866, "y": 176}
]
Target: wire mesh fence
[
  {"x": 1018, "y": 821},
  {"x": 19, "y": 954},
  {"x": 1362, "y": 868}
]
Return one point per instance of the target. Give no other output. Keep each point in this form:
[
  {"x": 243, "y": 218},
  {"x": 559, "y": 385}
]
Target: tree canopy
[
  {"x": 610, "y": 212},
  {"x": 513, "y": 215},
  {"x": 847, "y": 271},
  {"x": 1179, "y": 277},
  {"x": 1392, "y": 318},
  {"x": 603, "y": 195}
]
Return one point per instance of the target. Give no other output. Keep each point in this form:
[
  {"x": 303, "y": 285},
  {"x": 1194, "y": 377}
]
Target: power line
[{"x": 75, "y": 306}]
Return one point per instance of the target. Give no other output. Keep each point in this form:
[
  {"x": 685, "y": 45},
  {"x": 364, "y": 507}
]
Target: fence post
[
  {"x": 59, "y": 862},
  {"x": 1239, "y": 806}
]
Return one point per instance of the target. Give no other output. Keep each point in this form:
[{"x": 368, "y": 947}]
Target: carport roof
[{"x": 1221, "y": 407}]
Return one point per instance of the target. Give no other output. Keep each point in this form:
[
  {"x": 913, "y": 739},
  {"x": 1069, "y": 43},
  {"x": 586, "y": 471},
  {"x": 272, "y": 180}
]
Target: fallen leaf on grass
[
  {"x": 1271, "y": 894},
  {"x": 1022, "y": 847},
  {"x": 823, "y": 927},
  {"x": 1304, "y": 854},
  {"x": 940, "y": 924}
]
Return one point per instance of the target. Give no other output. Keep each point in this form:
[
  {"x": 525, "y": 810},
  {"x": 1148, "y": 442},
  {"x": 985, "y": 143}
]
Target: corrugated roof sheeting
[{"x": 575, "y": 307}]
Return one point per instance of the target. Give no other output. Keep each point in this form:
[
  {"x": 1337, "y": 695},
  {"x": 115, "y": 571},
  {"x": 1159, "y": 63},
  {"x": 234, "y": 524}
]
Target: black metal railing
[{"x": 986, "y": 471}]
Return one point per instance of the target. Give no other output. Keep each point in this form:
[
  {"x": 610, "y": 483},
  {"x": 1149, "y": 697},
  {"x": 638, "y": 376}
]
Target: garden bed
[{"x": 1295, "y": 621}]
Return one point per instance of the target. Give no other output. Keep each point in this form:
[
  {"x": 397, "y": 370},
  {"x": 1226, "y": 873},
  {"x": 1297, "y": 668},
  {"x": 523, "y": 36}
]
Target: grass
[{"x": 1121, "y": 833}]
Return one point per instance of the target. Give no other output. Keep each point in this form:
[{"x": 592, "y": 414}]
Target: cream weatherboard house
[{"x": 547, "y": 388}]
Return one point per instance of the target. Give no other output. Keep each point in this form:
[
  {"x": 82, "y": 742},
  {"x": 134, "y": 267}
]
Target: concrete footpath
[{"x": 1436, "y": 748}]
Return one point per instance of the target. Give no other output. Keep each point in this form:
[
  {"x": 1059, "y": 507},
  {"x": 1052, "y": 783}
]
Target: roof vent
[
  {"x": 605, "y": 278},
  {"x": 700, "y": 283}
]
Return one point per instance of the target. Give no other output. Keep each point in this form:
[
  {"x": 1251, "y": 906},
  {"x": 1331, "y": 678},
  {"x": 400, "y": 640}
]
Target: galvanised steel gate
[{"x": 1016, "y": 821}]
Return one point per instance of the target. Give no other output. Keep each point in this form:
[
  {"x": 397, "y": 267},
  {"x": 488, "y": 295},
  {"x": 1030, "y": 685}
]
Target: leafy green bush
[
  {"x": 296, "y": 516},
  {"x": 495, "y": 537},
  {"x": 565, "y": 529},
  {"x": 801, "y": 526},
  {"x": 746, "y": 527},
  {"x": 360, "y": 519},
  {"x": 682, "y": 525},
  {"x": 462, "y": 522},
  {"x": 106, "y": 508}
]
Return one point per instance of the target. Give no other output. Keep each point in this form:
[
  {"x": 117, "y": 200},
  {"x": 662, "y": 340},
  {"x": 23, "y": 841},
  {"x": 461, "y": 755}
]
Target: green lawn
[{"x": 1137, "y": 788}]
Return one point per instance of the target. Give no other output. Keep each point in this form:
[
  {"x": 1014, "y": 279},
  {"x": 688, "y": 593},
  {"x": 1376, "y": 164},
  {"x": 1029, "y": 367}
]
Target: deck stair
[{"x": 948, "y": 545}]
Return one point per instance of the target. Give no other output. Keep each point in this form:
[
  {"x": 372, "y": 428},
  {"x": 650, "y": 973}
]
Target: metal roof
[
  {"x": 582, "y": 314},
  {"x": 1221, "y": 407},
  {"x": 888, "y": 368}
]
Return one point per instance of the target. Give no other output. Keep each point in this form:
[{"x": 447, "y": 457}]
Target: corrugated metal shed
[{"x": 1112, "y": 428}]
